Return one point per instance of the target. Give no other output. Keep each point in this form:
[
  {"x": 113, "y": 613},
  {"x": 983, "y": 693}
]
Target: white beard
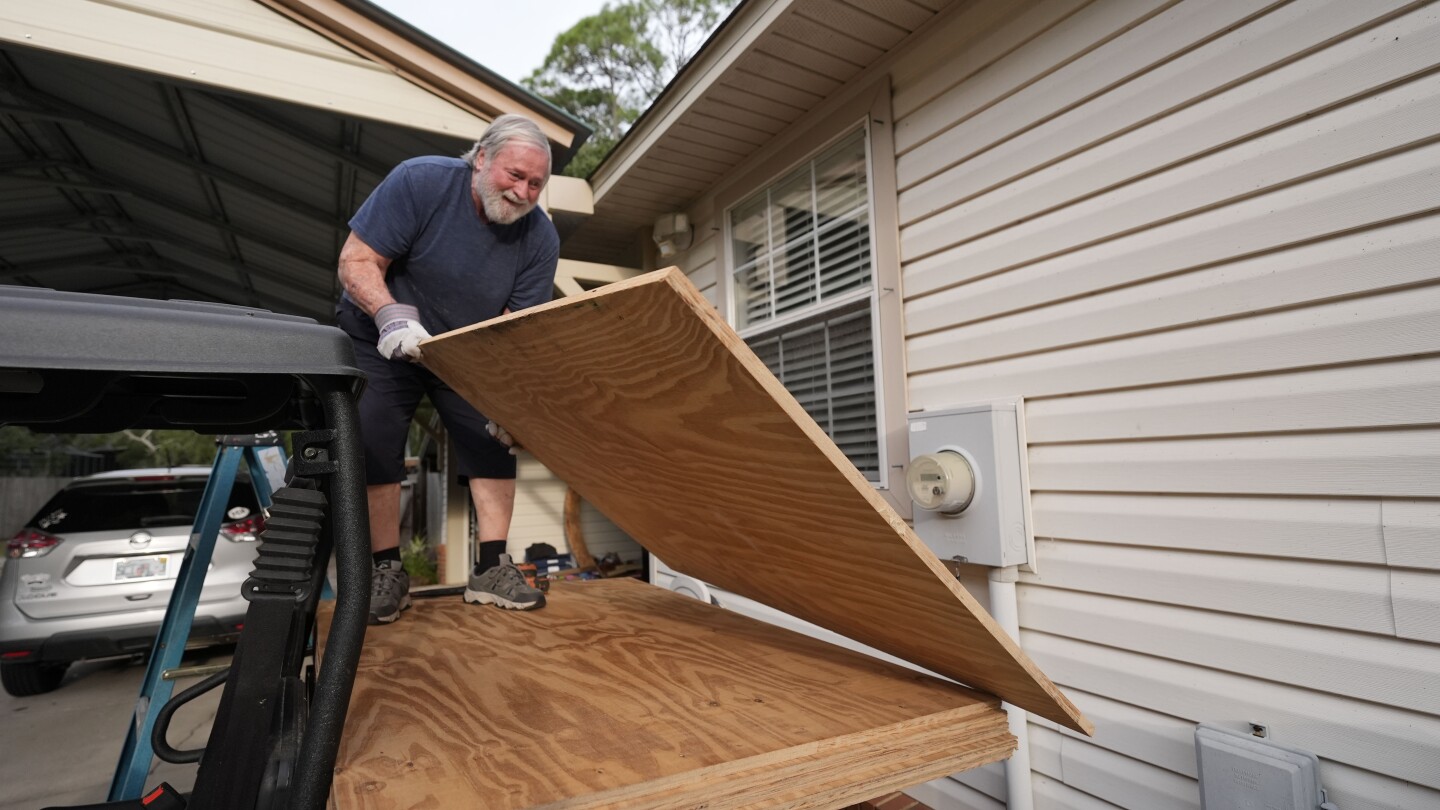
[{"x": 501, "y": 207}]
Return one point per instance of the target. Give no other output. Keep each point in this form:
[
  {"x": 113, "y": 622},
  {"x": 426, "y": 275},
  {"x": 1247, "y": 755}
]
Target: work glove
[
  {"x": 400, "y": 332},
  {"x": 503, "y": 436}
]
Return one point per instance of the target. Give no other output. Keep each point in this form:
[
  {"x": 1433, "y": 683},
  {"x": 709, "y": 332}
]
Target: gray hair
[{"x": 505, "y": 129}]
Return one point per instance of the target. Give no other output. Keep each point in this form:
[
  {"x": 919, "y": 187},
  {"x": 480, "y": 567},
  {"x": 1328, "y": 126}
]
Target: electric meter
[{"x": 941, "y": 482}]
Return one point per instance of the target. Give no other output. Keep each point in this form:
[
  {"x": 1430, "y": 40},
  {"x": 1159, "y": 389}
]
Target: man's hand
[
  {"x": 400, "y": 332},
  {"x": 503, "y": 436}
]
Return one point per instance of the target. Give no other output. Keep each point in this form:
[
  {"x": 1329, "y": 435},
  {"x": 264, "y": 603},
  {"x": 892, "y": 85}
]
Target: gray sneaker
[
  {"x": 389, "y": 592},
  {"x": 505, "y": 586}
]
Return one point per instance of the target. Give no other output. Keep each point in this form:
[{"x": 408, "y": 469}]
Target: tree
[
  {"x": 24, "y": 452},
  {"x": 607, "y": 68}
]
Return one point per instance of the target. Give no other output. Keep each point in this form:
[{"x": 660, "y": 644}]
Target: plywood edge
[
  {"x": 831, "y": 773},
  {"x": 1058, "y": 708},
  {"x": 559, "y": 303},
  {"x": 681, "y": 283}
]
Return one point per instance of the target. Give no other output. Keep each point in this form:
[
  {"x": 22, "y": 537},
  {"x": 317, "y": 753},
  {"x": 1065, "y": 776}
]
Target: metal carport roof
[{"x": 214, "y": 149}]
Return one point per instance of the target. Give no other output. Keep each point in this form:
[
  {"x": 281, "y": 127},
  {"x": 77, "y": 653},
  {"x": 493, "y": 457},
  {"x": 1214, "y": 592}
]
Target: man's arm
[{"x": 362, "y": 274}]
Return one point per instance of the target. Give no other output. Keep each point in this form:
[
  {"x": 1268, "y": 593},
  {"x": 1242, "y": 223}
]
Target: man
[{"x": 443, "y": 243}]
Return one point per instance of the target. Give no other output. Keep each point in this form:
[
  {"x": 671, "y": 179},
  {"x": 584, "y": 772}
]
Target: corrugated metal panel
[
  {"x": 1200, "y": 240},
  {"x": 219, "y": 198}
]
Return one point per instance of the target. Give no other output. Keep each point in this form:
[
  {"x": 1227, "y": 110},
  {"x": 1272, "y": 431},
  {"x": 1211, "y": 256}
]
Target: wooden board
[
  {"x": 621, "y": 694},
  {"x": 647, "y": 403}
]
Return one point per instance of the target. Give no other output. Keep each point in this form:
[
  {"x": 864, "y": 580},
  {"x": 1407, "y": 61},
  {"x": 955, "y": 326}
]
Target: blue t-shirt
[{"x": 445, "y": 261}]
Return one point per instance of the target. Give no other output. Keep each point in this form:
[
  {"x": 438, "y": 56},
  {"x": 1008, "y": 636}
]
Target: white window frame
[{"x": 867, "y": 108}]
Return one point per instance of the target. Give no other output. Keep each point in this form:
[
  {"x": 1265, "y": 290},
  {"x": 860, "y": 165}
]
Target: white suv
[{"x": 90, "y": 575}]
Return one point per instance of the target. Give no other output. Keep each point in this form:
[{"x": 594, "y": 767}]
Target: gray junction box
[{"x": 1242, "y": 772}]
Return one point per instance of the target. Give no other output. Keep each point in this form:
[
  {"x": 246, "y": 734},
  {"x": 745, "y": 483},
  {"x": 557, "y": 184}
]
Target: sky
[{"x": 510, "y": 37}]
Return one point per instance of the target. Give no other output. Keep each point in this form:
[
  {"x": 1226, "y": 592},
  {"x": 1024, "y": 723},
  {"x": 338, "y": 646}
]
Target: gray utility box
[
  {"x": 1240, "y": 771},
  {"x": 994, "y": 527}
]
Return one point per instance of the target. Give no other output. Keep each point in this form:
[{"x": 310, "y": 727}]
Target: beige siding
[
  {"x": 540, "y": 517},
  {"x": 1200, "y": 238}
]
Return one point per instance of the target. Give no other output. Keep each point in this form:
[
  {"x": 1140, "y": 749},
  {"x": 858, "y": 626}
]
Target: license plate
[{"x": 130, "y": 568}]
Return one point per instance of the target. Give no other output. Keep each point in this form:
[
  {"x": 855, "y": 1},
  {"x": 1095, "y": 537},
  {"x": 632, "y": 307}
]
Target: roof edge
[
  {"x": 429, "y": 63},
  {"x": 749, "y": 20}
]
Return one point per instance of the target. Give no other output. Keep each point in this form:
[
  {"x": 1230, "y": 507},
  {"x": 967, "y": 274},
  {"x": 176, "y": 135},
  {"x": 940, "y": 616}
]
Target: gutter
[{"x": 425, "y": 61}]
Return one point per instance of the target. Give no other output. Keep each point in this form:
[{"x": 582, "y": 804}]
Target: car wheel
[{"x": 23, "y": 680}]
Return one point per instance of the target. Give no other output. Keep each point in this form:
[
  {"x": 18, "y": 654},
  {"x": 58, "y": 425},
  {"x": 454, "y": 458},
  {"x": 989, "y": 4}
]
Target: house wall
[
  {"x": 540, "y": 517},
  {"x": 1200, "y": 238}
]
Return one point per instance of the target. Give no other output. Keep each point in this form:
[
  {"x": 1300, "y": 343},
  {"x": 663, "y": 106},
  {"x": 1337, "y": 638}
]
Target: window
[{"x": 804, "y": 296}]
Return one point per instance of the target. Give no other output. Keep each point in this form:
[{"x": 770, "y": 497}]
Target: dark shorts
[{"x": 392, "y": 391}]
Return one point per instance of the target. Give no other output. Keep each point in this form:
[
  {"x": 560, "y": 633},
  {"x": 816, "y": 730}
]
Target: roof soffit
[
  {"x": 772, "y": 64},
  {"x": 486, "y": 95}
]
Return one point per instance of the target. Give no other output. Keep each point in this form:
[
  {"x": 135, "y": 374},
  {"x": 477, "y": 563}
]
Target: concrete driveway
[{"x": 61, "y": 748}]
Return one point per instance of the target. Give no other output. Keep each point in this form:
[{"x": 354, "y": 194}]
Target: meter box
[{"x": 967, "y": 478}]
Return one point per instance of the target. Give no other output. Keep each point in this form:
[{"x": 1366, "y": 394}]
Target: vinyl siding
[
  {"x": 540, "y": 517},
  {"x": 1201, "y": 240}
]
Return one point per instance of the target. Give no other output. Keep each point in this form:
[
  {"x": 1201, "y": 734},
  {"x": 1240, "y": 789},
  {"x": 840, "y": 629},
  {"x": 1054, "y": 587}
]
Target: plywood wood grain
[
  {"x": 620, "y": 694},
  {"x": 649, "y": 405}
]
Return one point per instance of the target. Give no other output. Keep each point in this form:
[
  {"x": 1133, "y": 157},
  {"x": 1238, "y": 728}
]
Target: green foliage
[
  {"x": 24, "y": 452},
  {"x": 418, "y": 561},
  {"x": 607, "y": 68}
]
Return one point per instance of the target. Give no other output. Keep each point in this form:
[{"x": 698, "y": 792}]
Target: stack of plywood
[
  {"x": 616, "y": 694},
  {"x": 619, "y": 694}
]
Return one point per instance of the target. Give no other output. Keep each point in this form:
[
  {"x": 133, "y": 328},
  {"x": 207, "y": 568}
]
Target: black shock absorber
[{"x": 285, "y": 562}]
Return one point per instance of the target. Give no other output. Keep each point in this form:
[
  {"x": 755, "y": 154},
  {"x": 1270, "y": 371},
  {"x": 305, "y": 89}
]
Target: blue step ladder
[{"x": 266, "y": 463}]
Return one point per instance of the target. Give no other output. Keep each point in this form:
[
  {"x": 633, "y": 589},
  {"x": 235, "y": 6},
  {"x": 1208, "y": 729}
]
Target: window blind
[
  {"x": 801, "y": 255},
  {"x": 829, "y": 367}
]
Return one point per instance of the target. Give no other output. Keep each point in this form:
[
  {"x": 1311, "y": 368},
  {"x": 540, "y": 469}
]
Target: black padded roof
[{"x": 77, "y": 362}]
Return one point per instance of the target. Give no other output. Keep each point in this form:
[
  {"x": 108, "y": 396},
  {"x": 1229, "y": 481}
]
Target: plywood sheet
[
  {"x": 648, "y": 404},
  {"x": 620, "y": 694}
]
